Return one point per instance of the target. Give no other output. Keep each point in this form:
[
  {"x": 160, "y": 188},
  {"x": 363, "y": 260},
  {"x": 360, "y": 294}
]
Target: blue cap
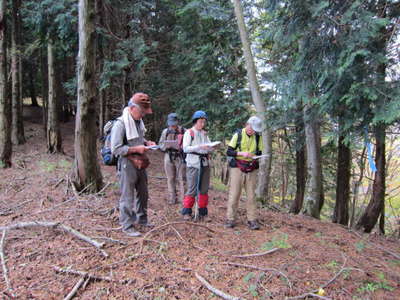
[
  {"x": 172, "y": 119},
  {"x": 199, "y": 115}
]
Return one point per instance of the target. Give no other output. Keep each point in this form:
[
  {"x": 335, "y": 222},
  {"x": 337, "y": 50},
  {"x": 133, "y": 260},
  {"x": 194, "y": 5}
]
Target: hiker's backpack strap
[
  {"x": 257, "y": 143},
  {"x": 191, "y": 132},
  {"x": 239, "y": 139}
]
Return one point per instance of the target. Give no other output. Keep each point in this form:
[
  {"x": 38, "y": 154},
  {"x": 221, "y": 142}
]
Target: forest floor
[{"x": 164, "y": 262}]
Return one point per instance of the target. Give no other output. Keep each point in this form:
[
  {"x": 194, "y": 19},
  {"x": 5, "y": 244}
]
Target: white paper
[
  {"x": 213, "y": 144},
  {"x": 155, "y": 147},
  {"x": 260, "y": 156}
]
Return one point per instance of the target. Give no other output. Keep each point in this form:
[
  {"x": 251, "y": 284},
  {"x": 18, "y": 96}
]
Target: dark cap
[
  {"x": 143, "y": 101},
  {"x": 172, "y": 119}
]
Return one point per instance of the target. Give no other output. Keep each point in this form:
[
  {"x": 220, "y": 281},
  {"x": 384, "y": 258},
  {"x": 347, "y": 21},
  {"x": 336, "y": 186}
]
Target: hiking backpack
[
  {"x": 109, "y": 159},
  {"x": 177, "y": 135}
]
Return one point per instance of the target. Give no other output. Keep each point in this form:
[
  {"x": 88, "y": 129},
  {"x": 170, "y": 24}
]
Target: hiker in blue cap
[
  {"x": 174, "y": 161},
  {"x": 197, "y": 167}
]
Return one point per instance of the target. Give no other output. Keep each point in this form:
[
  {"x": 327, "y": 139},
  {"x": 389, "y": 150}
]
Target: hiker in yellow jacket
[{"x": 244, "y": 145}]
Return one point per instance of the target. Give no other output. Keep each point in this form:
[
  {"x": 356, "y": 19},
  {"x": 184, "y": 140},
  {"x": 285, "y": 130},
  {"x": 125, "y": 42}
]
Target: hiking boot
[
  {"x": 145, "y": 223},
  {"x": 131, "y": 232},
  {"x": 253, "y": 225},
  {"x": 204, "y": 219},
  {"x": 229, "y": 224},
  {"x": 187, "y": 217}
]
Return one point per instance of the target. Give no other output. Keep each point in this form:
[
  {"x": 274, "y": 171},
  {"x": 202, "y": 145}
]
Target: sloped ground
[{"x": 312, "y": 254}]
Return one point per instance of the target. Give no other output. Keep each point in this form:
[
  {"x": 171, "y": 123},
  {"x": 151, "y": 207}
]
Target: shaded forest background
[{"x": 328, "y": 71}]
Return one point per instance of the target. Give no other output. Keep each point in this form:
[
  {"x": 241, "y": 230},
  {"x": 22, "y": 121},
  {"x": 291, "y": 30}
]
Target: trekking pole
[{"x": 196, "y": 206}]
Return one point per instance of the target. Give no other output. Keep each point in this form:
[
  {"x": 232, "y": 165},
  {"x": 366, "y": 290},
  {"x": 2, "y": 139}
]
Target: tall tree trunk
[
  {"x": 18, "y": 136},
  {"x": 314, "y": 193},
  {"x": 265, "y": 166},
  {"x": 86, "y": 168},
  {"x": 100, "y": 61},
  {"x": 297, "y": 204},
  {"x": 356, "y": 187},
  {"x": 341, "y": 211},
  {"x": 54, "y": 143},
  {"x": 376, "y": 204},
  {"x": 31, "y": 86},
  {"x": 5, "y": 106},
  {"x": 45, "y": 88}
]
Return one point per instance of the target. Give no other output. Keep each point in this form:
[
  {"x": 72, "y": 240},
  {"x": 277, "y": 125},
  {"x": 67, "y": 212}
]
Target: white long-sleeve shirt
[{"x": 192, "y": 144}]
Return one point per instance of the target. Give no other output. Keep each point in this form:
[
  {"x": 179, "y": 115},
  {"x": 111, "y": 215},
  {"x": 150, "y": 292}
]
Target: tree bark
[
  {"x": 265, "y": 164},
  {"x": 17, "y": 135},
  {"x": 54, "y": 142},
  {"x": 341, "y": 211},
  {"x": 376, "y": 204},
  {"x": 5, "y": 105},
  {"x": 44, "y": 88},
  {"x": 86, "y": 168},
  {"x": 356, "y": 187},
  {"x": 297, "y": 204},
  {"x": 32, "y": 89},
  {"x": 314, "y": 192}
]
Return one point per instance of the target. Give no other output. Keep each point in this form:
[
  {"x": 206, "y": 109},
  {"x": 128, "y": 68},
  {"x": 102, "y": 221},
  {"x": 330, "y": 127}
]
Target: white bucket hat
[{"x": 255, "y": 123}]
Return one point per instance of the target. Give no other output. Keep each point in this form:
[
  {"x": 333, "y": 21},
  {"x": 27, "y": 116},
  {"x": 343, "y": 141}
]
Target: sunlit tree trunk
[
  {"x": 53, "y": 123},
  {"x": 86, "y": 167},
  {"x": 314, "y": 198},
  {"x": 265, "y": 166},
  {"x": 5, "y": 106}
]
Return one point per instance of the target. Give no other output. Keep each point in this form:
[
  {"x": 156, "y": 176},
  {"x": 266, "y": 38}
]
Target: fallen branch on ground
[
  {"x": 104, "y": 188},
  {"x": 145, "y": 237},
  {"x": 54, "y": 225},
  {"x": 75, "y": 288},
  {"x": 3, "y": 263},
  {"x": 313, "y": 292},
  {"x": 256, "y": 254},
  {"x": 397, "y": 256},
  {"x": 88, "y": 275},
  {"x": 261, "y": 269},
  {"x": 110, "y": 240},
  {"x": 58, "y": 183},
  {"x": 215, "y": 290}
]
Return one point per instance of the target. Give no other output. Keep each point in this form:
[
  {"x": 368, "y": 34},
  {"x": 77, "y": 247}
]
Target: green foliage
[
  {"x": 277, "y": 242},
  {"x": 360, "y": 246}
]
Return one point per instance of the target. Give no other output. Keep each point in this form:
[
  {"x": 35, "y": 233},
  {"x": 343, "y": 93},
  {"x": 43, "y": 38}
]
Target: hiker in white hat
[{"x": 243, "y": 147}]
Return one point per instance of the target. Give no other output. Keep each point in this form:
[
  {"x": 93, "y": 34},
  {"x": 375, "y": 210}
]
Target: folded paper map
[{"x": 259, "y": 156}]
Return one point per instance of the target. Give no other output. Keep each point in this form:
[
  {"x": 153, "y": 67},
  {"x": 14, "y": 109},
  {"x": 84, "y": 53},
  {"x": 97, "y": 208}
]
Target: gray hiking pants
[
  {"x": 134, "y": 194},
  {"x": 192, "y": 177},
  {"x": 175, "y": 171}
]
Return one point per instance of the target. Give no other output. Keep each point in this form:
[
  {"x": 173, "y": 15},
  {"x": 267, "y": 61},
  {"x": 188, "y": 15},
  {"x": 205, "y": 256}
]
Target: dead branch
[
  {"x": 261, "y": 269},
  {"x": 110, "y": 240},
  {"x": 256, "y": 254},
  {"x": 103, "y": 189},
  {"x": 215, "y": 290},
  {"x": 145, "y": 237},
  {"x": 397, "y": 256},
  {"x": 3, "y": 262},
  {"x": 58, "y": 182},
  {"x": 75, "y": 288},
  {"x": 87, "y": 275},
  {"x": 313, "y": 292},
  {"x": 54, "y": 225}
]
